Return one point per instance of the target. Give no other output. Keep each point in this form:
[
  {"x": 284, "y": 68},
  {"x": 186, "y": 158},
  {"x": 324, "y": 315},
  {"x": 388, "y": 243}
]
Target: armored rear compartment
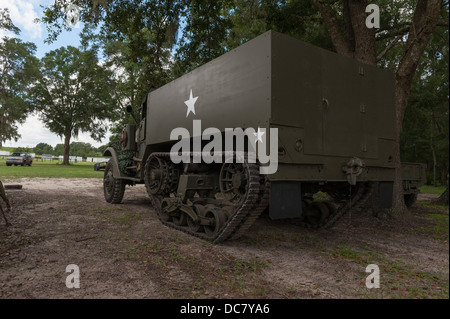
[{"x": 327, "y": 108}]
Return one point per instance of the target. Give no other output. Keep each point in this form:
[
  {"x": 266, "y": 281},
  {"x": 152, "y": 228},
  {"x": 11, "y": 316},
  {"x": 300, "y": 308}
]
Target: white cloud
[{"x": 23, "y": 13}]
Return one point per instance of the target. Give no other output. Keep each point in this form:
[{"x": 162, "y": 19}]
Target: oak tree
[
  {"x": 73, "y": 94},
  {"x": 18, "y": 71}
]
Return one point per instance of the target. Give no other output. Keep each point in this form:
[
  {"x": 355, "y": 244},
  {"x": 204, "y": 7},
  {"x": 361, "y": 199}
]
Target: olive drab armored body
[{"x": 263, "y": 127}]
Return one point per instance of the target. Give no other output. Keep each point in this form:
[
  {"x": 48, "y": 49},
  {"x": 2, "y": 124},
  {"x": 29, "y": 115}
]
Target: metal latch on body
[{"x": 353, "y": 169}]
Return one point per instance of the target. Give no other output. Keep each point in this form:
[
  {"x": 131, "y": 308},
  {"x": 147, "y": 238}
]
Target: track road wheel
[
  {"x": 233, "y": 182},
  {"x": 180, "y": 218},
  {"x": 155, "y": 176},
  {"x": 113, "y": 188},
  {"x": 217, "y": 218},
  {"x": 164, "y": 214},
  {"x": 192, "y": 225}
]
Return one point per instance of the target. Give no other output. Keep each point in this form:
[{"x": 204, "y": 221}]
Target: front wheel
[{"x": 113, "y": 188}]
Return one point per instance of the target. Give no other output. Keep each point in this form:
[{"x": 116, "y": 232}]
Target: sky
[{"x": 23, "y": 13}]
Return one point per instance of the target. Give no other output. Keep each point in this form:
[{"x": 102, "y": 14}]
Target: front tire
[{"x": 113, "y": 188}]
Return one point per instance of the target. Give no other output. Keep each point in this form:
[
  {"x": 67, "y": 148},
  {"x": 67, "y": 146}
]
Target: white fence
[
  {"x": 47, "y": 157},
  {"x": 72, "y": 158},
  {"x": 60, "y": 158}
]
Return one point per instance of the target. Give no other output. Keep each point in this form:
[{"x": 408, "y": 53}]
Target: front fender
[{"x": 110, "y": 151}]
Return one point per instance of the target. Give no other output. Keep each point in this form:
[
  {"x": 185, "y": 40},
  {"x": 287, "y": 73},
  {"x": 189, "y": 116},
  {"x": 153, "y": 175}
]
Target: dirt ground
[{"x": 122, "y": 251}]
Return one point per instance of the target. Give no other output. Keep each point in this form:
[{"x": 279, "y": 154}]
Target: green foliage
[
  {"x": 23, "y": 150},
  {"x": 298, "y": 19},
  {"x": 204, "y": 34},
  {"x": 59, "y": 149},
  {"x": 73, "y": 94},
  {"x": 43, "y": 148},
  {"x": 136, "y": 37},
  {"x": 426, "y": 125},
  {"x": 144, "y": 30},
  {"x": 18, "y": 69},
  {"x": 6, "y": 23},
  {"x": 427, "y": 189},
  {"x": 42, "y": 169},
  {"x": 82, "y": 149}
]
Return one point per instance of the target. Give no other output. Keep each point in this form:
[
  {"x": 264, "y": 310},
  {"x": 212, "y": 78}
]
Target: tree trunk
[
  {"x": 364, "y": 50},
  {"x": 66, "y": 148},
  {"x": 402, "y": 88},
  {"x": 433, "y": 151},
  {"x": 443, "y": 199},
  {"x": 444, "y": 174}
]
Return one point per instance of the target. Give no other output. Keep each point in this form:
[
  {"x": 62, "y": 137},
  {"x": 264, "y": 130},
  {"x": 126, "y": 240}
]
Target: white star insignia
[
  {"x": 259, "y": 135},
  {"x": 190, "y": 104}
]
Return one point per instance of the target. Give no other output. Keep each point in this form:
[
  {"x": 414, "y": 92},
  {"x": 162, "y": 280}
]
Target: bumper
[{"x": 15, "y": 162}]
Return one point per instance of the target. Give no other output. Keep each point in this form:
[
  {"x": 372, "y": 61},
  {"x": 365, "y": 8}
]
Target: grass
[
  {"x": 441, "y": 229},
  {"x": 48, "y": 169},
  {"x": 429, "y": 189},
  {"x": 441, "y": 208}
]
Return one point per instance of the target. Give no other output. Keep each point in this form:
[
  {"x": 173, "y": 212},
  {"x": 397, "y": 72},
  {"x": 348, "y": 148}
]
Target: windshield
[{"x": 17, "y": 154}]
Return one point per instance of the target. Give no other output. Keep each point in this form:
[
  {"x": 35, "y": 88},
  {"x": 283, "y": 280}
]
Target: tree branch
[
  {"x": 426, "y": 17},
  {"x": 390, "y": 46}
]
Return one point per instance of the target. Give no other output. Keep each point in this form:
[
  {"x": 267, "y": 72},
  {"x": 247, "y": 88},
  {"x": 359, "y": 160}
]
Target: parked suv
[{"x": 19, "y": 159}]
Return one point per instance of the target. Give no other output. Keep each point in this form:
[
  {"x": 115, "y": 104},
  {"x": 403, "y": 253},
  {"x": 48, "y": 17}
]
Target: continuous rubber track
[
  {"x": 255, "y": 202},
  {"x": 354, "y": 203}
]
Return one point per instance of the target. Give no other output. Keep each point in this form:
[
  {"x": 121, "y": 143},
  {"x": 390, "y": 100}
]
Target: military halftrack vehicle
[{"x": 282, "y": 120}]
